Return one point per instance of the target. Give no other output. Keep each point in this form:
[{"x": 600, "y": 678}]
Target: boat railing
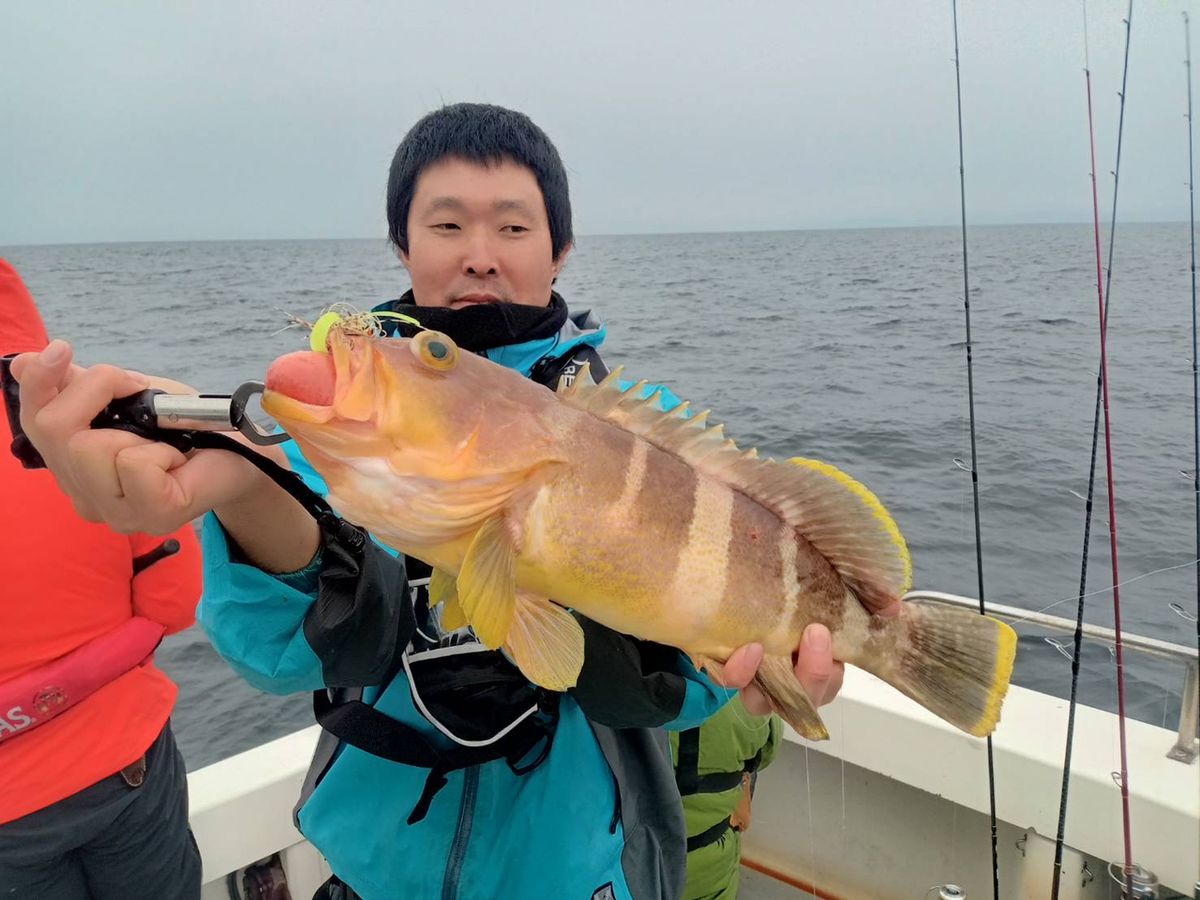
[{"x": 1186, "y": 746}]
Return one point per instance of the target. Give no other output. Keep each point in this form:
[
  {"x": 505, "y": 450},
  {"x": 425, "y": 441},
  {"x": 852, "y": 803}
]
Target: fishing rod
[
  {"x": 1187, "y": 37},
  {"x": 1103, "y": 294},
  {"x": 962, "y": 192}
]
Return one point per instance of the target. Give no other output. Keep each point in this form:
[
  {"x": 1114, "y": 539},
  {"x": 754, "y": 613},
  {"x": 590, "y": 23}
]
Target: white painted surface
[
  {"x": 241, "y": 807},
  {"x": 899, "y": 765},
  {"x": 893, "y": 803}
]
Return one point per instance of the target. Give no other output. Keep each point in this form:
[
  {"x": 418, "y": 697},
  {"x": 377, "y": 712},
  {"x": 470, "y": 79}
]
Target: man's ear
[
  {"x": 403, "y": 257},
  {"x": 562, "y": 258}
]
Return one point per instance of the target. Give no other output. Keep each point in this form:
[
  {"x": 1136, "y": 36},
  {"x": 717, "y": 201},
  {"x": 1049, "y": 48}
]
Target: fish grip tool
[{"x": 189, "y": 422}]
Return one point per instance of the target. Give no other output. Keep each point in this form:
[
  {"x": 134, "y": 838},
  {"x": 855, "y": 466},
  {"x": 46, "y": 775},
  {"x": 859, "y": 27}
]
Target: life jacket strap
[
  {"x": 687, "y": 775},
  {"x": 708, "y": 836}
]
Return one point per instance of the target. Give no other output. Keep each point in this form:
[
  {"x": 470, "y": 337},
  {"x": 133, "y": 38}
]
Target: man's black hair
[{"x": 486, "y": 135}]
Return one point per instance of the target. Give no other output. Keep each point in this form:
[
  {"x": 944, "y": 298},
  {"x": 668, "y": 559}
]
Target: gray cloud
[{"x": 144, "y": 121}]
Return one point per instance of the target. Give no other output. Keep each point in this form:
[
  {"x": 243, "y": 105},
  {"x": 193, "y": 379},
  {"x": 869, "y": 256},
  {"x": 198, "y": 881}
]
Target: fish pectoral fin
[
  {"x": 487, "y": 582},
  {"x": 546, "y": 643},
  {"x": 443, "y": 589}
]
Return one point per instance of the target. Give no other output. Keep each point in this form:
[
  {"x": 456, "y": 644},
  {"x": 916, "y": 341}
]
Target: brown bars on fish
[{"x": 530, "y": 504}]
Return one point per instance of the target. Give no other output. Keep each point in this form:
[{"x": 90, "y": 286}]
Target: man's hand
[
  {"x": 136, "y": 485},
  {"x": 817, "y": 671},
  {"x": 112, "y": 476}
]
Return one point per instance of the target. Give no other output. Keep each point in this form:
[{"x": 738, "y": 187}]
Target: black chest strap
[{"x": 364, "y": 727}]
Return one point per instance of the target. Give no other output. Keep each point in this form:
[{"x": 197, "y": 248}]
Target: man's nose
[{"x": 481, "y": 258}]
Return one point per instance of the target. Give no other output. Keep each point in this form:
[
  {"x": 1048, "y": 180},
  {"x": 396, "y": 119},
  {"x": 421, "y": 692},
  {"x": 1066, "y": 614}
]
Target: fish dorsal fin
[
  {"x": 841, "y": 518},
  {"x": 688, "y": 437}
]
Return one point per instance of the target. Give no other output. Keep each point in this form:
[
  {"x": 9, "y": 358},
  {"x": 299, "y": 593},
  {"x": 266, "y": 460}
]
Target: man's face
[{"x": 479, "y": 234}]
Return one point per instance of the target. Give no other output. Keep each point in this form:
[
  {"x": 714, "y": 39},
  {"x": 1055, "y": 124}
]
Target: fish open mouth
[{"x": 301, "y": 386}]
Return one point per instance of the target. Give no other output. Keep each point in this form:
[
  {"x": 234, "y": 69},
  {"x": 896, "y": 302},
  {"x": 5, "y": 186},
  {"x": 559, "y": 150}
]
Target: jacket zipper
[{"x": 462, "y": 833}]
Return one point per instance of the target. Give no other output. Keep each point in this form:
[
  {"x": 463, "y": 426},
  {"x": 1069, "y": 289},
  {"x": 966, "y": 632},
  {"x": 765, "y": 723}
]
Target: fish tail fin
[
  {"x": 955, "y": 663},
  {"x": 777, "y": 680}
]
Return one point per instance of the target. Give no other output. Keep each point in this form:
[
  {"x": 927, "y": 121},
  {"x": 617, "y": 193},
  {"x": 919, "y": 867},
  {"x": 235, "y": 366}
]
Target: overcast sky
[{"x": 236, "y": 119}]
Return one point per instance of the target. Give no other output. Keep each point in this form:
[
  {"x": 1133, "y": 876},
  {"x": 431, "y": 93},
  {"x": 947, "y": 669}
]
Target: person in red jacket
[{"x": 93, "y": 790}]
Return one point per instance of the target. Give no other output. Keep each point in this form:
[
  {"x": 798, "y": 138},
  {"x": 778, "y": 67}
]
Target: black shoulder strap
[
  {"x": 364, "y": 727},
  {"x": 687, "y": 770}
]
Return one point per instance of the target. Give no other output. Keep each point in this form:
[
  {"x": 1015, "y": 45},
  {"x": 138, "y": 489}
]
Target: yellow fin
[
  {"x": 851, "y": 528},
  {"x": 546, "y": 643},
  {"x": 841, "y": 518},
  {"x": 954, "y": 662},
  {"x": 487, "y": 587},
  {"x": 443, "y": 589}
]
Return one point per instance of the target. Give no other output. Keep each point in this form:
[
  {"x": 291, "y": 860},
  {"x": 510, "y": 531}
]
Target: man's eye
[
  {"x": 515, "y": 229},
  {"x": 445, "y": 226}
]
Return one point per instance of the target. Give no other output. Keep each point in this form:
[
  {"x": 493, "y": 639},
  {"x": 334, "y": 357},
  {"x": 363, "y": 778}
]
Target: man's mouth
[{"x": 473, "y": 299}]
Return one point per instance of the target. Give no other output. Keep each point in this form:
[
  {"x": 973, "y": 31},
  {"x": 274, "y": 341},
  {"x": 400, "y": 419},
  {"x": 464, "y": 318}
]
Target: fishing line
[
  {"x": 845, "y": 835},
  {"x": 812, "y": 838},
  {"x": 962, "y": 190},
  {"x": 1103, "y": 291},
  {"x": 1186, "y": 565}
]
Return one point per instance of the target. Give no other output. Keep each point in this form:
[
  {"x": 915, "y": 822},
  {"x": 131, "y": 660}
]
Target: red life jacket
[{"x": 78, "y": 622}]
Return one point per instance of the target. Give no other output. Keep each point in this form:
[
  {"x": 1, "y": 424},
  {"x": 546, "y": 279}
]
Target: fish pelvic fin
[
  {"x": 545, "y": 642},
  {"x": 487, "y": 581},
  {"x": 443, "y": 589},
  {"x": 777, "y": 680},
  {"x": 839, "y": 517},
  {"x": 955, "y": 663}
]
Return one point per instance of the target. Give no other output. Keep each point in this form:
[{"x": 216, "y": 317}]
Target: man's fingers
[
  {"x": 740, "y": 668},
  {"x": 146, "y": 473},
  {"x": 96, "y": 484},
  {"x": 818, "y": 673},
  {"x": 41, "y": 376},
  {"x": 80, "y": 400},
  {"x": 755, "y": 700}
]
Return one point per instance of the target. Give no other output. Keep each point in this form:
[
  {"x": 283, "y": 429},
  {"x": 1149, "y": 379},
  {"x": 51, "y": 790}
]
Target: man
[
  {"x": 93, "y": 793},
  {"x": 443, "y": 773}
]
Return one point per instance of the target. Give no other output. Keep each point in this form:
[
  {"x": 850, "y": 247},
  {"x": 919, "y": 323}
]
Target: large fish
[{"x": 528, "y": 503}]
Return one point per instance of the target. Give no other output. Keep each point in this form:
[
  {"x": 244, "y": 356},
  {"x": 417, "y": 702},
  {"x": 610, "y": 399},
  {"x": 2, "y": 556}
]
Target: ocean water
[{"x": 845, "y": 346}]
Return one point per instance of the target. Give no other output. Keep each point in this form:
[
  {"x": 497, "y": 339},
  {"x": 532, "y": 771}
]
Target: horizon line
[{"x": 602, "y": 234}]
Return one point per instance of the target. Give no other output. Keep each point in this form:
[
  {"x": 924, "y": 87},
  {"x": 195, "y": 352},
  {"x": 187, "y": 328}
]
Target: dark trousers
[{"x": 110, "y": 841}]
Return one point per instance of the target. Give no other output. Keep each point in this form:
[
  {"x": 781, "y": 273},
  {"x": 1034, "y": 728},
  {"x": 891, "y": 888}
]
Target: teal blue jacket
[{"x": 594, "y": 820}]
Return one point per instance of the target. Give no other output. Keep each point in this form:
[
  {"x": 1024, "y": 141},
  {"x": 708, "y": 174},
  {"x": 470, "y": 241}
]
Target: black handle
[{"x": 134, "y": 413}]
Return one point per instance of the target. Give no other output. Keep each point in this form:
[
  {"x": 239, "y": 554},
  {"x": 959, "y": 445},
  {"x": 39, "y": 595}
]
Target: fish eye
[{"x": 435, "y": 350}]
